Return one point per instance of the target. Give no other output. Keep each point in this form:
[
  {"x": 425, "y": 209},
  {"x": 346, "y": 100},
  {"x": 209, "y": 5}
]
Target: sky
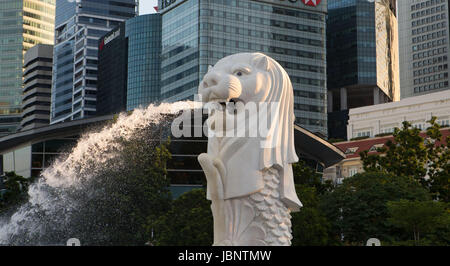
[{"x": 146, "y": 6}]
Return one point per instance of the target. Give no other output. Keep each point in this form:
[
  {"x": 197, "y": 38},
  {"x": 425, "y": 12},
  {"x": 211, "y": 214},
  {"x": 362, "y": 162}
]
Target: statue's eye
[{"x": 241, "y": 72}]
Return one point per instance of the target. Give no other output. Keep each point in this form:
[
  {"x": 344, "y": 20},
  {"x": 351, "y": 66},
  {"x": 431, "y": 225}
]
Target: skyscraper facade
[
  {"x": 37, "y": 80},
  {"x": 112, "y": 72},
  {"x": 79, "y": 26},
  {"x": 197, "y": 33},
  {"x": 362, "y": 59},
  {"x": 129, "y": 65},
  {"x": 424, "y": 38},
  {"x": 23, "y": 25},
  {"x": 144, "y": 60}
]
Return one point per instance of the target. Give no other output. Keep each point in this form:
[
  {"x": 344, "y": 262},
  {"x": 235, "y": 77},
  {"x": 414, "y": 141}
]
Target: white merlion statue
[{"x": 249, "y": 178}]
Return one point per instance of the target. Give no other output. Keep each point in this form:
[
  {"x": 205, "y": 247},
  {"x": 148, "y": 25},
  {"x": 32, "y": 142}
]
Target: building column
[
  {"x": 376, "y": 96},
  {"x": 349, "y": 131},
  {"x": 330, "y": 101},
  {"x": 376, "y": 129},
  {"x": 428, "y": 117},
  {"x": 343, "y": 93}
]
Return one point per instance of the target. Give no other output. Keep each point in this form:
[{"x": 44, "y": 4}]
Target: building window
[
  {"x": 352, "y": 171},
  {"x": 351, "y": 150}
]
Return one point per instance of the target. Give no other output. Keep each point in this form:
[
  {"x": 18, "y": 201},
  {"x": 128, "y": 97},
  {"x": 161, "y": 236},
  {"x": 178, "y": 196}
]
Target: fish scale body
[{"x": 271, "y": 213}]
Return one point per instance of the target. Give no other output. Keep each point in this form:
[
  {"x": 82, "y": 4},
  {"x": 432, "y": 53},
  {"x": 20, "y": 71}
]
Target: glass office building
[
  {"x": 362, "y": 58},
  {"x": 424, "y": 34},
  {"x": 79, "y": 26},
  {"x": 144, "y": 62},
  {"x": 197, "y": 33},
  {"x": 24, "y": 24},
  {"x": 112, "y": 72},
  {"x": 129, "y": 65}
]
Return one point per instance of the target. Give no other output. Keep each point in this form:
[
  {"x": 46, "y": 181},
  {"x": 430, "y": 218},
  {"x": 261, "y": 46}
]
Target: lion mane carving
[{"x": 250, "y": 185}]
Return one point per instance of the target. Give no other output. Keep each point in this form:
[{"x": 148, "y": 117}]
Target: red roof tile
[{"x": 365, "y": 144}]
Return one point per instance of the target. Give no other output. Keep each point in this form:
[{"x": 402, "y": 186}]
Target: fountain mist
[{"x": 52, "y": 213}]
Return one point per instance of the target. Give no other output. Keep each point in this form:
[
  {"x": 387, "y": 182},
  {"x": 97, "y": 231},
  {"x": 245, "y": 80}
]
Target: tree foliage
[
  {"x": 309, "y": 226},
  {"x": 14, "y": 191},
  {"x": 422, "y": 219},
  {"x": 305, "y": 176},
  {"x": 189, "y": 222},
  {"x": 409, "y": 154},
  {"x": 357, "y": 209}
]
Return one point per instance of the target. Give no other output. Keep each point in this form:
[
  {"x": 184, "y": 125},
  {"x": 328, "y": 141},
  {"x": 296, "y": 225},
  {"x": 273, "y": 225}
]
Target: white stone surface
[
  {"x": 383, "y": 118},
  {"x": 249, "y": 177}
]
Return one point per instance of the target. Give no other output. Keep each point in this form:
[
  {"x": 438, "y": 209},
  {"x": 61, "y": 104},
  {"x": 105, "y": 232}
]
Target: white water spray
[{"x": 47, "y": 203}]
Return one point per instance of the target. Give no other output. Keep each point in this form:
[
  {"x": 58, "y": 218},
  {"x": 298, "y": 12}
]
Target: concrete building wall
[
  {"x": 383, "y": 118},
  {"x": 386, "y": 26},
  {"x": 37, "y": 87},
  {"x": 424, "y": 41}
]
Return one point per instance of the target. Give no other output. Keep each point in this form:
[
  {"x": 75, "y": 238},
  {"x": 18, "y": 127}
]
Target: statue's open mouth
[
  {"x": 234, "y": 101},
  {"x": 229, "y": 104}
]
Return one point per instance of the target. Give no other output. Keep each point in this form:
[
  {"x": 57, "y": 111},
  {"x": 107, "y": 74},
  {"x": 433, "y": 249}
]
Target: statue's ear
[
  {"x": 262, "y": 63},
  {"x": 210, "y": 67}
]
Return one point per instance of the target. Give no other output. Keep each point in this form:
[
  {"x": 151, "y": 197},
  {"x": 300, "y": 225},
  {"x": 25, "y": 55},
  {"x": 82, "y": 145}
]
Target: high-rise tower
[
  {"x": 37, "y": 80},
  {"x": 197, "y": 33},
  {"x": 24, "y": 24},
  {"x": 79, "y": 25},
  {"x": 424, "y": 38},
  {"x": 362, "y": 58}
]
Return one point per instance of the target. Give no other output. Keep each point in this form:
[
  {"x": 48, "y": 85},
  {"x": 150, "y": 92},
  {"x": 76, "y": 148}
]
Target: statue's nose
[{"x": 210, "y": 79}]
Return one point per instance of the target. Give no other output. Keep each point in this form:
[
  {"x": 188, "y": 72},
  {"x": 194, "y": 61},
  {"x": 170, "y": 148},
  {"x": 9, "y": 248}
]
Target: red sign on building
[{"x": 311, "y": 2}]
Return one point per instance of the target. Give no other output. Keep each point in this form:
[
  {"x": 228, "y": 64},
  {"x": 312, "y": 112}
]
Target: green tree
[
  {"x": 189, "y": 222},
  {"x": 425, "y": 160},
  {"x": 15, "y": 190},
  {"x": 357, "y": 209},
  {"x": 421, "y": 219},
  {"x": 309, "y": 226},
  {"x": 308, "y": 177}
]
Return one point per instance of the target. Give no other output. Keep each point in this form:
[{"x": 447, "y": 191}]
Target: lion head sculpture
[{"x": 243, "y": 79}]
